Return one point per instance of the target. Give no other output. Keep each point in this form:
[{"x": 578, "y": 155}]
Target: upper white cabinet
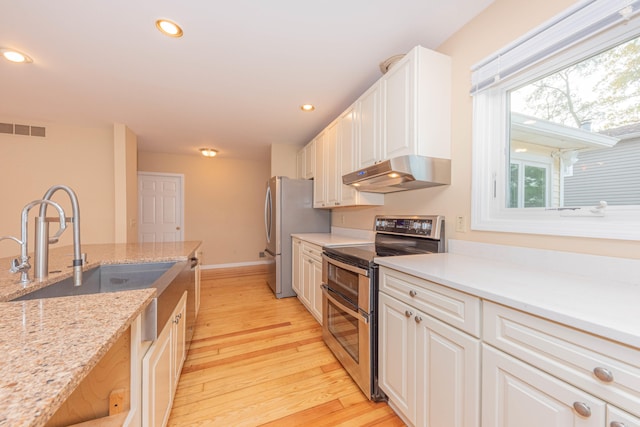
[
  {"x": 306, "y": 161},
  {"x": 408, "y": 111}
]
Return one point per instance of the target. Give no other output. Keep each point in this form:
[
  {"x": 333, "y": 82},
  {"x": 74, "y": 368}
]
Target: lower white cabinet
[
  {"x": 161, "y": 368},
  {"x": 517, "y": 394},
  {"x": 429, "y": 370},
  {"x": 307, "y": 275}
]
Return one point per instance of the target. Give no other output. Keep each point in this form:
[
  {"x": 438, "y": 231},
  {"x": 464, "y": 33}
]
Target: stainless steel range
[{"x": 350, "y": 291}]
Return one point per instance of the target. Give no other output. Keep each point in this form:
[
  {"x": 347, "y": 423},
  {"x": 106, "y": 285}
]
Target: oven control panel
[{"x": 423, "y": 226}]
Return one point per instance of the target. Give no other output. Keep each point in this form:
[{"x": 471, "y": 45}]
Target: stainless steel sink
[
  {"x": 105, "y": 278},
  {"x": 170, "y": 279}
]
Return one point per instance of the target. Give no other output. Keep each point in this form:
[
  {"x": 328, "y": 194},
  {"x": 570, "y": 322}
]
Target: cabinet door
[
  {"x": 307, "y": 280},
  {"x": 316, "y": 291},
  {"x": 370, "y": 125},
  {"x": 346, "y": 148},
  {"x": 319, "y": 180},
  {"x": 296, "y": 266},
  {"x": 516, "y": 394},
  {"x": 398, "y": 105},
  {"x": 619, "y": 418},
  {"x": 157, "y": 380},
  {"x": 309, "y": 160},
  {"x": 330, "y": 162},
  {"x": 178, "y": 337},
  {"x": 396, "y": 354},
  {"x": 448, "y": 375},
  {"x": 300, "y": 164}
]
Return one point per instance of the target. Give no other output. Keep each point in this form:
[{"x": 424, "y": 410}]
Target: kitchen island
[{"x": 49, "y": 346}]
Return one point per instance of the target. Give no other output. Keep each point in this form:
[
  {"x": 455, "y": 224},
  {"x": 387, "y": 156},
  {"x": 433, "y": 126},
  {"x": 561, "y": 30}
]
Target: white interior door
[{"x": 160, "y": 207}]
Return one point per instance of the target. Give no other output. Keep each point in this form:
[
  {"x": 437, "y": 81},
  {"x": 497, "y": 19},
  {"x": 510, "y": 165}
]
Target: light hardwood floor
[{"x": 259, "y": 361}]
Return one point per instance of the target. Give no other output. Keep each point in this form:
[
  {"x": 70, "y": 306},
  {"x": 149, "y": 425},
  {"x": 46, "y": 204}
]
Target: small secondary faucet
[
  {"x": 22, "y": 264},
  {"x": 43, "y": 240}
]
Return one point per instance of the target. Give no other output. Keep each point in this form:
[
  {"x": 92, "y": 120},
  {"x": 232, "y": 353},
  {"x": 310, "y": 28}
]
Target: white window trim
[{"x": 491, "y": 154}]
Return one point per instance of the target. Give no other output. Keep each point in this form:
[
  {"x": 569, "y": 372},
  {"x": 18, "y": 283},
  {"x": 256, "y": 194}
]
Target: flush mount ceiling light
[
  {"x": 307, "y": 107},
  {"x": 208, "y": 152},
  {"x": 169, "y": 28},
  {"x": 15, "y": 56}
]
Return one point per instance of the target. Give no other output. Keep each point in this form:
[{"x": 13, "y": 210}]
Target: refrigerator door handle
[{"x": 267, "y": 214}]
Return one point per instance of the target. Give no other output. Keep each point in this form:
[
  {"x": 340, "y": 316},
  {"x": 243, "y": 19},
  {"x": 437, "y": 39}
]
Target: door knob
[{"x": 177, "y": 228}]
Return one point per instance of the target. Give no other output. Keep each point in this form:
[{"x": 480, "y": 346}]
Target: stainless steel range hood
[{"x": 401, "y": 174}]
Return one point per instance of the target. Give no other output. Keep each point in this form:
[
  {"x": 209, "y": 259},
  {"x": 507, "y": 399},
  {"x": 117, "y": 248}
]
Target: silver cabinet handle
[
  {"x": 412, "y": 293},
  {"x": 418, "y": 319},
  {"x": 603, "y": 374},
  {"x": 408, "y": 313},
  {"x": 582, "y": 409},
  {"x": 616, "y": 424}
]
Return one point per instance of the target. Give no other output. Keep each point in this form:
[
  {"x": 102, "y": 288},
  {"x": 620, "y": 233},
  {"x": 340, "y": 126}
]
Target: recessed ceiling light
[
  {"x": 307, "y": 107},
  {"x": 169, "y": 28},
  {"x": 208, "y": 152},
  {"x": 15, "y": 56}
]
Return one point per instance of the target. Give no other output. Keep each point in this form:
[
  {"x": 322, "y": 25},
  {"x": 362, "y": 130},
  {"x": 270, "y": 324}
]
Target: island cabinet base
[{"x": 103, "y": 393}]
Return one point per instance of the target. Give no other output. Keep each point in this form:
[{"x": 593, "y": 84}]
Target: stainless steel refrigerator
[{"x": 288, "y": 209}]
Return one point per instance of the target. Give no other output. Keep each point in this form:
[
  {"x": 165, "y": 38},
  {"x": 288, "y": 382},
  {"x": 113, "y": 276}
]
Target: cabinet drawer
[
  {"x": 455, "y": 308},
  {"x": 618, "y": 418},
  {"x": 311, "y": 250},
  {"x": 604, "y": 368}
]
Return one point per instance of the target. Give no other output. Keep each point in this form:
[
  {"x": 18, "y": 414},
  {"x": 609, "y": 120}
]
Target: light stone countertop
[
  {"x": 48, "y": 346},
  {"x": 331, "y": 239},
  {"x": 608, "y": 308}
]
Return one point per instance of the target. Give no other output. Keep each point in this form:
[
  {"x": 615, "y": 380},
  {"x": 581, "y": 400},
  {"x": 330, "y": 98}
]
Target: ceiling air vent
[{"x": 26, "y": 130}]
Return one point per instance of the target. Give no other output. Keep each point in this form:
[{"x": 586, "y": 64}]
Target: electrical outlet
[
  {"x": 261, "y": 254},
  {"x": 461, "y": 224}
]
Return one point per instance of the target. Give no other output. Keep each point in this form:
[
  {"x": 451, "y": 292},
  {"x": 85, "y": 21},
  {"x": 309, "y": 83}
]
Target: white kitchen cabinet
[
  {"x": 331, "y": 165},
  {"x": 310, "y": 273},
  {"x": 409, "y": 110},
  {"x": 619, "y": 418},
  {"x": 370, "y": 123},
  {"x": 161, "y": 368},
  {"x": 296, "y": 265},
  {"x": 517, "y": 394},
  {"x": 429, "y": 370},
  {"x": 319, "y": 179},
  {"x": 300, "y": 164}
]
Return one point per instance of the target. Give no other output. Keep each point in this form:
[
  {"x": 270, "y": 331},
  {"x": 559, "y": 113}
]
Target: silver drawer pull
[
  {"x": 418, "y": 319},
  {"x": 412, "y": 293},
  {"x": 603, "y": 374},
  {"x": 616, "y": 424},
  {"x": 408, "y": 313},
  {"x": 582, "y": 409}
]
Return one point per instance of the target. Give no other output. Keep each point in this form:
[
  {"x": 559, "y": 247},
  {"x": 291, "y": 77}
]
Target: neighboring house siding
[{"x": 611, "y": 174}]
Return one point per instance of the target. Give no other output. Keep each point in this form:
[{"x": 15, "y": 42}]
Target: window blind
[{"x": 578, "y": 23}]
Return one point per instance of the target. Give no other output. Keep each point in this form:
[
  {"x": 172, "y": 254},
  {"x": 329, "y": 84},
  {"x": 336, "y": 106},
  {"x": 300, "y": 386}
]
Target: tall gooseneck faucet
[
  {"x": 22, "y": 264},
  {"x": 42, "y": 252}
]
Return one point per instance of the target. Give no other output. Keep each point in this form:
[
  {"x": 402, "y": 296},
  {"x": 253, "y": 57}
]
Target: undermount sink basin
[
  {"x": 105, "y": 278},
  {"x": 170, "y": 279}
]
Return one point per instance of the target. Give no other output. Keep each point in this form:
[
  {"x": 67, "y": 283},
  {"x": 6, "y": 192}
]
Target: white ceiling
[{"x": 233, "y": 82}]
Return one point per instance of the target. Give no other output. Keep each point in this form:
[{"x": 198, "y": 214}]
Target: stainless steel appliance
[
  {"x": 288, "y": 208},
  {"x": 350, "y": 291}
]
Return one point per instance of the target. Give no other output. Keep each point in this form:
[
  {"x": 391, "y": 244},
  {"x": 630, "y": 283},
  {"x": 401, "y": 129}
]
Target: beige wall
[
  {"x": 224, "y": 203},
  {"x": 497, "y": 26},
  {"x": 81, "y": 158},
  {"x": 125, "y": 149},
  {"x": 283, "y": 160}
]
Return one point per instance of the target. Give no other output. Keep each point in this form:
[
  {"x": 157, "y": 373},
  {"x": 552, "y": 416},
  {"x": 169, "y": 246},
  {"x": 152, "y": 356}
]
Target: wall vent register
[{"x": 25, "y": 130}]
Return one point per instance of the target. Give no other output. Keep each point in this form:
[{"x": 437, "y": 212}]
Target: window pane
[
  {"x": 513, "y": 186},
  {"x": 535, "y": 187},
  {"x": 585, "y": 120}
]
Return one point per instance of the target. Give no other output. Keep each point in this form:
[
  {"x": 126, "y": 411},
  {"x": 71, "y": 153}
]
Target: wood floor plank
[{"x": 260, "y": 361}]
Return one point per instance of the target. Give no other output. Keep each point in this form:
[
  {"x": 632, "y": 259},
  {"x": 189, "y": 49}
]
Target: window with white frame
[{"x": 557, "y": 127}]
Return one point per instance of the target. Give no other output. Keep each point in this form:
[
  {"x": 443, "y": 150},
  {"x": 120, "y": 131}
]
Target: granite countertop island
[{"x": 48, "y": 346}]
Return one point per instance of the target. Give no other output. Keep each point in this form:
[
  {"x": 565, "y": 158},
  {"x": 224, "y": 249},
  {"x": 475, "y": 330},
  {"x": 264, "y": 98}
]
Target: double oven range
[{"x": 350, "y": 291}]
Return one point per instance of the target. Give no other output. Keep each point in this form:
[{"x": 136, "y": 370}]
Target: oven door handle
[
  {"x": 345, "y": 266},
  {"x": 357, "y": 313}
]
